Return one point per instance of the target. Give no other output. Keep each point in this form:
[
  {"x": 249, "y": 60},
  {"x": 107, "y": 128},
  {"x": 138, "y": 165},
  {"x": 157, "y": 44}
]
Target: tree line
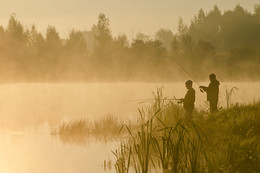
[{"x": 226, "y": 43}]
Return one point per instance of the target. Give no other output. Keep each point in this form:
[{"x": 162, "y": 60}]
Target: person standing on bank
[
  {"x": 188, "y": 100},
  {"x": 212, "y": 92}
]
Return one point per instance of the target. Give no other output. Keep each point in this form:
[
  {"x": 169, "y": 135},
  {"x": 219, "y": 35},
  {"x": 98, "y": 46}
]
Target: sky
[{"x": 126, "y": 16}]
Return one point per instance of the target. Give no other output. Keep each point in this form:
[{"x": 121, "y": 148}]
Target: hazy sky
[{"x": 126, "y": 16}]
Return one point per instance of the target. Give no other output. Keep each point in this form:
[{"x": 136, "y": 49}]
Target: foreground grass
[
  {"x": 228, "y": 141},
  {"x": 234, "y": 135}
]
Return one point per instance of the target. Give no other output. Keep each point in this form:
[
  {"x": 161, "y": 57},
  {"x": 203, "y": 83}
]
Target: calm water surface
[{"x": 28, "y": 112}]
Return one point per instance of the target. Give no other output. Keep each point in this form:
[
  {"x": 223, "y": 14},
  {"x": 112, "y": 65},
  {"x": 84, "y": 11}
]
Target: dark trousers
[
  {"x": 188, "y": 114},
  {"x": 213, "y": 106}
]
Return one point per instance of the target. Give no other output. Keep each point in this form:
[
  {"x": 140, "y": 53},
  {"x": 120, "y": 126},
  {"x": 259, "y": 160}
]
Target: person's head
[
  {"x": 188, "y": 84},
  {"x": 212, "y": 77}
]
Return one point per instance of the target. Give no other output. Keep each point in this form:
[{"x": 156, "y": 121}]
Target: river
[{"x": 28, "y": 112}]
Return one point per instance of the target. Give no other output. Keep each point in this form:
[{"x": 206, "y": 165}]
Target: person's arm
[
  {"x": 204, "y": 88},
  {"x": 180, "y": 100}
]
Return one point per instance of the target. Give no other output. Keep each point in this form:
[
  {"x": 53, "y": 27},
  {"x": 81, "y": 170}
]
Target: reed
[
  {"x": 77, "y": 127},
  {"x": 79, "y": 131},
  {"x": 123, "y": 156},
  {"x": 177, "y": 147},
  {"x": 164, "y": 141},
  {"x": 229, "y": 93}
]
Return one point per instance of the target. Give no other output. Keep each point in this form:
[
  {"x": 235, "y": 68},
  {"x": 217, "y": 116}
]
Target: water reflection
[
  {"x": 41, "y": 152},
  {"x": 85, "y": 140},
  {"x": 82, "y": 140}
]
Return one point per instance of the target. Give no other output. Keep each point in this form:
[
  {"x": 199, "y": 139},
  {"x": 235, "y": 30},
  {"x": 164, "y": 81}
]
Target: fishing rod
[
  {"x": 175, "y": 99},
  {"x": 187, "y": 74},
  {"x": 146, "y": 100}
]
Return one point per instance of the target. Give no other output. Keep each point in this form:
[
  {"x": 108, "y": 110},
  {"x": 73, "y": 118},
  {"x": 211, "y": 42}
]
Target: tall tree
[{"x": 166, "y": 37}]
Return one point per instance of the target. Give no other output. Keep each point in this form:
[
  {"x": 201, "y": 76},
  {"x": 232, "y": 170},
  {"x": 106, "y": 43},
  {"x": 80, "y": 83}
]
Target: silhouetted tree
[
  {"x": 76, "y": 42},
  {"x": 165, "y": 37},
  {"x": 103, "y": 35},
  {"x": 53, "y": 40},
  {"x": 144, "y": 37}
]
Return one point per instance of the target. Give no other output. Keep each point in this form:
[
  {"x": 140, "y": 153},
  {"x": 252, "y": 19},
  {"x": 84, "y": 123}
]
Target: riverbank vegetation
[
  {"x": 228, "y": 141},
  {"x": 212, "y": 41},
  {"x": 106, "y": 126},
  {"x": 163, "y": 140}
]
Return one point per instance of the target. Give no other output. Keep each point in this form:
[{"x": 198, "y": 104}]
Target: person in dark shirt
[
  {"x": 212, "y": 92},
  {"x": 188, "y": 100}
]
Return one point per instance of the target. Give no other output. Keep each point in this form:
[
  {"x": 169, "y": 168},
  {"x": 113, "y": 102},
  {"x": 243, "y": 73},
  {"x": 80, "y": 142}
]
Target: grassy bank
[
  {"x": 162, "y": 140},
  {"x": 228, "y": 141},
  {"x": 234, "y": 135}
]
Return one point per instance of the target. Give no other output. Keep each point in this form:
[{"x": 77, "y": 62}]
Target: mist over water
[
  {"x": 39, "y": 104},
  {"x": 29, "y": 112},
  {"x": 51, "y": 103}
]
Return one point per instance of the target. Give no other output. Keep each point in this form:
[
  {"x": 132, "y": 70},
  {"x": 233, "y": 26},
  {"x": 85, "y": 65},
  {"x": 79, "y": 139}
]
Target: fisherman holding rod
[
  {"x": 212, "y": 92},
  {"x": 188, "y": 100},
  {"x": 212, "y": 96}
]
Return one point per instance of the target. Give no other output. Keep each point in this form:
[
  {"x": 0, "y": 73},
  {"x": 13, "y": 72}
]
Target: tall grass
[
  {"x": 228, "y": 141},
  {"x": 77, "y": 127},
  {"x": 79, "y": 131},
  {"x": 235, "y": 136},
  {"x": 229, "y": 93},
  {"x": 176, "y": 146},
  {"x": 108, "y": 125}
]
